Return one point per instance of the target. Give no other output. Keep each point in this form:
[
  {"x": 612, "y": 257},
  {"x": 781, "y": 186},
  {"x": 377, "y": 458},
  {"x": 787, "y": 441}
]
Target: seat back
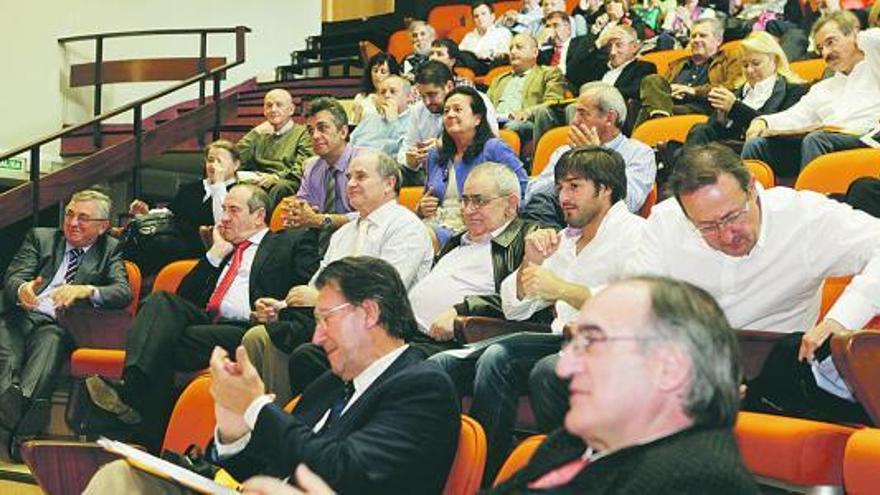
[
  {"x": 809, "y": 70},
  {"x": 457, "y": 34},
  {"x": 445, "y": 18},
  {"x": 861, "y": 460},
  {"x": 664, "y": 59},
  {"x": 495, "y": 72},
  {"x": 762, "y": 172},
  {"x": 290, "y": 406},
  {"x": 470, "y": 459},
  {"x": 134, "y": 280},
  {"x": 511, "y": 138},
  {"x": 857, "y": 356},
  {"x": 674, "y": 128},
  {"x": 519, "y": 458},
  {"x": 410, "y": 195},
  {"x": 649, "y": 203},
  {"x": 465, "y": 73},
  {"x": 170, "y": 276},
  {"x": 550, "y": 141},
  {"x": 501, "y": 7},
  {"x": 276, "y": 222},
  {"x": 399, "y": 44},
  {"x": 834, "y": 172},
  {"x": 192, "y": 420}
]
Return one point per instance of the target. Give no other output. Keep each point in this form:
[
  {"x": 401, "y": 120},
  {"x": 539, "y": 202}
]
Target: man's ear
[
  {"x": 674, "y": 367},
  {"x": 372, "y": 311}
]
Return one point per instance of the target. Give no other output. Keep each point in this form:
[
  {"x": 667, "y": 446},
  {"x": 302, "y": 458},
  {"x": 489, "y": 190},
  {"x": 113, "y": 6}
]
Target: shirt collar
[
  {"x": 285, "y": 128},
  {"x": 257, "y": 237},
  {"x": 346, "y": 156},
  {"x": 381, "y": 214},
  {"x": 764, "y": 86},
  {"x": 207, "y": 186},
  {"x": 622, "y": 66},
  {"x": 616, "y": 143},
  {"x": 366, "y": 378},
  {"x": 68, "y": 248},
  {"x": 466, "y": 238}
]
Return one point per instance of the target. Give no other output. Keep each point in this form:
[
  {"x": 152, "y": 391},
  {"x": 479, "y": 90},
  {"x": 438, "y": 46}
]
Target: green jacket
[{"x": 543, "y": 86}]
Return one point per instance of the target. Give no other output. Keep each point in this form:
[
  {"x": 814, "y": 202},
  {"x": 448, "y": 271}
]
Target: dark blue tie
[
  {"x": 74, "y": 256},
  {"x": 338, "y": 406}
]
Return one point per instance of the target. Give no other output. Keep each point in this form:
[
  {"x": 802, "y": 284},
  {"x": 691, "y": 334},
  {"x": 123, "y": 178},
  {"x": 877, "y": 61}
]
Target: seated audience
[
  {"x": 614, "y": 63},
  {"x": 380, "y": 66},
  {"x": 423, "y": 35},
  {"x": 466, "y": 142},
  {"x": 384, "y": 131},
  {"x": 616, "y": 14},
  {"x": 523, "y": 96},
  {"x": 770, "y": 87},
  {"x": 600, "y": 235},
  {"x": 578, "y": 25},
  {"x": 599, "y": 113},
  {"x": 195, "y": 204},
  {"x": 383, "y": 229},
  {"x": 836, "y": 111},
  {"x": 525, "y": 20},
  {"x": 653, "y": 367},
  {"x": 276, "y": 149},
  {"x": 560, "y": 45},
  {"x": 447, "y": 53},
  {"x": 723, "y": 231},
  {"x": 53, "y": 270},
  {"x": 174, "y": 332},
  {"x": 686, "y": 88},
  {"x": 680, "y": 21},
  {"x": 487, "y": 43},
  {"x": 351, "y": 426}
]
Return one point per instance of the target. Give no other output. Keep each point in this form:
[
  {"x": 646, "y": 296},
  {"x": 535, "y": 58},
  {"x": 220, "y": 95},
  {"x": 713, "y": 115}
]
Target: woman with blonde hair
[{"x": 770, "y": 87}]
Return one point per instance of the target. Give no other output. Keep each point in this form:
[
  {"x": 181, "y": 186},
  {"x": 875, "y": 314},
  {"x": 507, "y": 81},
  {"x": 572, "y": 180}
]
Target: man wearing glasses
[
  {"x": 52, "y": 271},
  {"x": 764, "y": 254},
  {"x": 653, "y": 369}
]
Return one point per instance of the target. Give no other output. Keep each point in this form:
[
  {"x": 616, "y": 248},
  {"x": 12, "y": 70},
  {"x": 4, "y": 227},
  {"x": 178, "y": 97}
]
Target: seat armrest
[
  {"x": 754, "y": 347},
  {"x": 93, "y": 327},
  {"x": 470, "y": 329},
  {"x": 856, "y": 356},
  {"x": 62, "y": 468}
]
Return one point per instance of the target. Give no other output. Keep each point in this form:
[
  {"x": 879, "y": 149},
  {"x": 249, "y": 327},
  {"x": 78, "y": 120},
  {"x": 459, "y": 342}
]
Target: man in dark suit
[
  {"x": 382, "y": 421},
  {"x": 177, "y": 332},
  {"x": 53, "y": 270}
]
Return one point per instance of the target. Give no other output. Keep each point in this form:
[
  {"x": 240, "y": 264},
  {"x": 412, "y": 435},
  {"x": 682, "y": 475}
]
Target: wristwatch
[{"x": 326, "y": 221}]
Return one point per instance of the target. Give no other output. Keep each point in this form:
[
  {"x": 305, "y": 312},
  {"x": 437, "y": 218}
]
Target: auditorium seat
[
  {"x": 861, "y": 462},
  {"x": 492, "y": 74},
  {"x": 857, "y": 357},
  {"x": 519, "y": 458},
  {"x": 470, "y": 459},
  {"x": 663, "y": 129},
  {"x": 276, "y": 222},
  {"x": 549, "y": 142},
  {"x": 809, "y": 70},
  {"x": 399, "y": 45},
  {"x": 511, "y": 138},
  {"x": 444, "y": 18},
  {"x": 409, "y": 196},
  {"x": 650, "y": 201},
  {"x": 834, "y": 172},
  {"x": 762, "y": 172},
  {"x": 663, "y": 59},
  {"x": 470, "y": 329}
]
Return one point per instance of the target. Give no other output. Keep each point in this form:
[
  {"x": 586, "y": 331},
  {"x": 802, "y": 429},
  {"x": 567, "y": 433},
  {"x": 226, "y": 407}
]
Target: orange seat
[
  {"x": 276, "y": 222},
  {"x": 493, "y": 73},
  {"x": 519, "y": 458},
  {"x": 501, "y": 7},
  {"x": 855, "y": 356},
  {"x": 511, "y": 138},
  {"x": 172, "y": 274},
  {"x": 834, "y": 172},
  {"x": 399, "y": 44},
  {"x": 762, "y": 172},
  {"x": 103, "y": 362},
  {"x": 809, "y": 70},
  {"x": 649, "y": 203},
  {"x": 444, "y": 18},
  {"x": 470, "y": 459},
  {"x": 861, "y": 462},
  {"x": 457, "y": 34},
  {"x": 290, "y": 406},
  {"x": 674, "y": 128},
  {"x": 465, "y": 73},
  {"x": 664, "y": 59},
  {"x": 192, "y": 420},
  {"x": 409, "y": 196},
  {"x": 792, "y": 451},
  {"x": 134, "y": 280},
  {"x": 550, "y": 142}
]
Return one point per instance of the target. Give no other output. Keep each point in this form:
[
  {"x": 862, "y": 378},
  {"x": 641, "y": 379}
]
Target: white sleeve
[
  {"x": 514, "y": 308},
  {"x": 409, "y": 249},
  {"x": 799, "y": 115},
  {"x": 640, "y": 173}
]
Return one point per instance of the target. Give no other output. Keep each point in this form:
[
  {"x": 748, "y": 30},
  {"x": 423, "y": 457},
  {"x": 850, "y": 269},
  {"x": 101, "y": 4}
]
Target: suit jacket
[
  {"x": 693, "y": 461},
  {"x": 400, "y": 436},
  {"x": 543, "y": 86},
  {"x": 283, "y": 260},
  {"x": 784, "y": 95},
  {"x": 725, "y": 69},
  {"x": 42, "y": 252},
  {"x": 191, "y": 212}
]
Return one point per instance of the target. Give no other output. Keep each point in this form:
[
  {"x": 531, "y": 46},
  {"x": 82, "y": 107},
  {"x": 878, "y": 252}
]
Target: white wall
[{"x": 34, "y": 95}]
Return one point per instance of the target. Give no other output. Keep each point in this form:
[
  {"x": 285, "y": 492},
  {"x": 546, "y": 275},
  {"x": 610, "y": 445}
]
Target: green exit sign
[{"x": 14, "y": 163}]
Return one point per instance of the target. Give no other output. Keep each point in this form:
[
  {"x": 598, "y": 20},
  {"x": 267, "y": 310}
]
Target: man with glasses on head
[
  {"x": 653, "y": 367},
  {"x": 53, "y": 270},
  {"x": 764, "y": 255}
]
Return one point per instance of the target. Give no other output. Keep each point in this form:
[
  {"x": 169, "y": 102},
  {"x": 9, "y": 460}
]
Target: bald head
[
  {"x": 523, "y": 52},
  {"x": 278, "y": 108}
]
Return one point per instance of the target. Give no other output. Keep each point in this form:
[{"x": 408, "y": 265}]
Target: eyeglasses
[
  {"x": 476, "y": 201},
  {"x": 69, "y": 216},
  {"x": 582, "y": 338},
  {"x": 734, "y": 218},
  {"x": 321, "y": 316}
]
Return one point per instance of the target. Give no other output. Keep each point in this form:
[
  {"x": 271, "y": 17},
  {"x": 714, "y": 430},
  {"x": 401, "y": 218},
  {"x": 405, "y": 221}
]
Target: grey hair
[
  {"x": 689, "y": 316},
  {"x": 102, "y": 200},
  {"x": 714, "y": 24},
  {"x": 387, "y": 167},
  {"x": 259, "y": 199},
  {"x": 414, "y": 24},
  {"x": 505, "y": 180},
  {"x": 607, "y": 98}
]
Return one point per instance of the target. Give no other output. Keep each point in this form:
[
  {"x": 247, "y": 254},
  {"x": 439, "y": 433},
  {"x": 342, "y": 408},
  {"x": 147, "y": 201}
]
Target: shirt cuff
[
  {"x": 96, "y": 298},
  {"x": 230, "y": 449},
  {"x": 852, "y": 310},
  {"x": 253, "y": 410},
  {"x": 213, "y": 260}
]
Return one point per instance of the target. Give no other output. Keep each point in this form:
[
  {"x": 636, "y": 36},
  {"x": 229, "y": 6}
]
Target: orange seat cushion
[
  {"x": 105, "y": 362},
  {"x": 796, "y": 451}
]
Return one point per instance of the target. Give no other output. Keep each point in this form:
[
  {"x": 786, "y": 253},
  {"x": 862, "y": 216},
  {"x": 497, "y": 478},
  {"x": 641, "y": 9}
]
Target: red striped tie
[{"x": 213, "y": 306}]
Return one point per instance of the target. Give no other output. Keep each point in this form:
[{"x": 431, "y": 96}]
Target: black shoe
[
  {"x": 106, "y": 397},
  {"x": 11, "y": 402},
  {"x": 32, "y": 423}
]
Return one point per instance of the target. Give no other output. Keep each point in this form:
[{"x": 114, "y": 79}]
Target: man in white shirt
[
  {"x": 764, "y": 254},
  {"x": 486, "y": 42},
  {"x": 556, "y": 269},
  {"x": 384, "y": 130},
  {"x": 835, "y": 111},
  {"x": 383, "y": 421},
  {"x": 383, "y": 229}
]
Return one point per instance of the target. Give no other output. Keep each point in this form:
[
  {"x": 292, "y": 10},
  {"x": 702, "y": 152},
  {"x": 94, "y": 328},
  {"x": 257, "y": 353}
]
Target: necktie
[
  {"x": 330, "y": 191},
  {"x": 339, "y": 406},
  {"x": 559, "y": 476},
  {"x": 74, "y": 257},
  {"x": 363, "y": 227},
  {"x": 222, "y": 288},
  {"x": 557, "y": 55}
]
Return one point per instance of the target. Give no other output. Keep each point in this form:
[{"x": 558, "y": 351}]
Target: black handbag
[{"x": 143, "y": 228}]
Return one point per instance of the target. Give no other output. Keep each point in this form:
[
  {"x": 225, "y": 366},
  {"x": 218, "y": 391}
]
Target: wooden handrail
[{"x": 149, "y": 32}]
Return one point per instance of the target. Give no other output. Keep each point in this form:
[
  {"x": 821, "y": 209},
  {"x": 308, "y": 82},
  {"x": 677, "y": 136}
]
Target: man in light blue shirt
[{"x": 385, "y": 130}]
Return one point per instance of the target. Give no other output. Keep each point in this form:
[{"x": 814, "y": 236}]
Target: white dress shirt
[
  {"x": 804, "y": 238},
  {"x": 494, "y": 42},
  {"x": 851, "y": 102},
  {"x": 599, "y": 262},
  {"x": 395, "y": 234},
  {"x": 756, "y": 96},
  {"x": 611, "y": 75},
  {"x": 236, "y": 304}
]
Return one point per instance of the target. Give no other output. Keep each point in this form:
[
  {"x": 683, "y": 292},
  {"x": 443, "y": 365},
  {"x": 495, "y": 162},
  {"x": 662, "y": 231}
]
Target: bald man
[{"x": 276, "y": 149}]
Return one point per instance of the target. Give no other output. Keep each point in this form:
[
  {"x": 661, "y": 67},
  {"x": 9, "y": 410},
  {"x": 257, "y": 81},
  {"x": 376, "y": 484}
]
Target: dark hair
[
  {"x": 363, "y": 277},
  {"x": 451, "y": 47},
  {"x": 479, "y": 3},
  {"x": 483, "y": 131},
  {"x": 557, "y": 14},
  {"x": 688, "y": 315},
  {"x": 601, "y": 166},
  {"x": 378, "y": 59},
  {"x": 700, "y": 166},
  {"x": 332, "y": 105},
  {"x": 434, "y": 72}
]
